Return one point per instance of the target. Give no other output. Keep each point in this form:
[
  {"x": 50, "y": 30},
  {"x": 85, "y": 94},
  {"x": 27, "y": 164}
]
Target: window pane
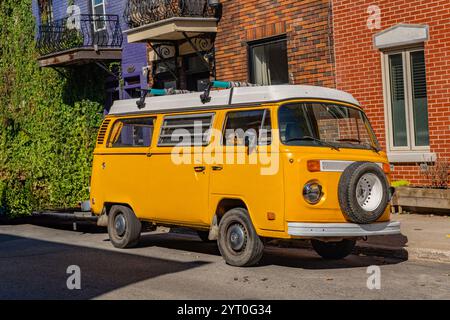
[
  {"x": 99, "y": 10},
  {"x": 131, "y": 133},
  {"x": 247, "y": 123},
  {"x": 186, "y": 131},
  {"x": 398, "y": 100},
  {"x": 269, "y": 63},
  {"x": 420, "y": 105}
]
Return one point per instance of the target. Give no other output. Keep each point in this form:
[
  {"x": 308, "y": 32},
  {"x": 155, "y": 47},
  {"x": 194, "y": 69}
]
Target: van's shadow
[
  {"x": 37, "y": 269},
  {"x": 282, "y": 255},
  {"x": 303, "y": 258}
]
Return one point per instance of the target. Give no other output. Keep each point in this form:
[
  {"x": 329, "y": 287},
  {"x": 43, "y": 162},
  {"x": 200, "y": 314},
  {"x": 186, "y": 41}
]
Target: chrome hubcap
[
  {"x": 369, "y": 192},
  {"x": 120, "y": 225},
  {"x": 236, "y": 236}
]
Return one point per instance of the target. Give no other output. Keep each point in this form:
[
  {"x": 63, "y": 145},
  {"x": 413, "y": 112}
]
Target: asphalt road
[{"x": 34, "y": 262}]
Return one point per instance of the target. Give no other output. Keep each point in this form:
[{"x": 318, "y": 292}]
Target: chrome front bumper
[{"x": 299, "y": 229}]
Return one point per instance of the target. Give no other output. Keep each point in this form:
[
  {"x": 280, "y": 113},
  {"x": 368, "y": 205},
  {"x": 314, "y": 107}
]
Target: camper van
[{"x": 243, "y": 165}]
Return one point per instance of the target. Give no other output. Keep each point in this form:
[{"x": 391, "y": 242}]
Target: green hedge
[{"x": 48, "y": 122}]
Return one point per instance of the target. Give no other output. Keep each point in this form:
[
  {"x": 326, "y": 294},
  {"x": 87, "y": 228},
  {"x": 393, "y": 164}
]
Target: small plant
[
  {"x": 437, "y": 174},
  {"x": 72, "y": 38},
  {"x": 400, "y": 183}
]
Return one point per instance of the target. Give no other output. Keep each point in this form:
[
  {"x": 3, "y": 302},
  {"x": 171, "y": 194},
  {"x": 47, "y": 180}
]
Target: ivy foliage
[{"x": 48, "y": 121}]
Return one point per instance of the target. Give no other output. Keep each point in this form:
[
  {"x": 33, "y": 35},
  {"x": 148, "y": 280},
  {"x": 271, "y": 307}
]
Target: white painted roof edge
[{"x": 240, "y": 96}]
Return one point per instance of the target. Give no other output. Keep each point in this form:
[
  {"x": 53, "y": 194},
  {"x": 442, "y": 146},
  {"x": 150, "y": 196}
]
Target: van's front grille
[{"x": 102, "y": 131}]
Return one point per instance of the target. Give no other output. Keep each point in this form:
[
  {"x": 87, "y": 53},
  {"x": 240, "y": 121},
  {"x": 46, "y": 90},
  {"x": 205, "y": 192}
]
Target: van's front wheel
[
  {"x": 124, "y": 228},
  {"x": 238, "y": 242},
  {"x": 333, "y": 250}
]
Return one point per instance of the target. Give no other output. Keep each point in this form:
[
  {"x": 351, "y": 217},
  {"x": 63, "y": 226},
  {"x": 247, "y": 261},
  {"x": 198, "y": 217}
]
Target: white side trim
[{"x": 343, "y": 229}]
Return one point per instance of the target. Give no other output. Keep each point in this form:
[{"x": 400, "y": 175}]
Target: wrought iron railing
[
  {"x": 141, "y": 12},
  {"x": 81, "y": 31}
]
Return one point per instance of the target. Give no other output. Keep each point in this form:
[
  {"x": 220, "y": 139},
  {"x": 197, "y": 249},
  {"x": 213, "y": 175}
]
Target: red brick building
[
  {"x": 298, "y": 31},
  {"x": 394, "y": 57}
]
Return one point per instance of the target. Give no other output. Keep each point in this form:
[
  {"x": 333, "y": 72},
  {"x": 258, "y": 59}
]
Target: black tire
[
  {"x": 353, "y": 182},
  {"x": 251, "y": 251},
  {"x": 131, "y": 233},
  {"x": 333, "y": 250},
  {"x": 203, "y": 235}
]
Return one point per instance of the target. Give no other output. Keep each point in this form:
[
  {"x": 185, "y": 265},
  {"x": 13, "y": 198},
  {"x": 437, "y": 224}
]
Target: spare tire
[{"x": 363, "y": 192}]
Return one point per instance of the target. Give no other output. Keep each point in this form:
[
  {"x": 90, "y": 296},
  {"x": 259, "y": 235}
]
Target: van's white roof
[{"x": 221, "y": 98}]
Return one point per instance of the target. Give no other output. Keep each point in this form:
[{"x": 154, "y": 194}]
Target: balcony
[
  {"x": 80, "y": 39},
  {"x": 169, "y": 20}
]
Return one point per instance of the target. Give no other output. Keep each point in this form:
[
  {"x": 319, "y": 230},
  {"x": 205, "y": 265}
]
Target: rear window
[
  {"x": 186, "y": 130},
  {"x": 136, "y": 132}
]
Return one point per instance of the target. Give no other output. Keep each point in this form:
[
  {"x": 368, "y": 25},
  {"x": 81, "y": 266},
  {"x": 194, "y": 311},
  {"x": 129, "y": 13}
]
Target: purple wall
[{"x": 134, "y": 56}]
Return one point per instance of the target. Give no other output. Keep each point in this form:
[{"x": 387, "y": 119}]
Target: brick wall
[
  {"x": 307, "y": 27},
  {"x": 358, "y": 65}
]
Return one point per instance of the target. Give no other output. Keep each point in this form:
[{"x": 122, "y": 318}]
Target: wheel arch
[{"x": 223, "y": 205}]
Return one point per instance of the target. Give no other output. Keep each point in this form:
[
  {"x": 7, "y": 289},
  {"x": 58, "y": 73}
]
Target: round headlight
[{"x": 312, "y": 192}]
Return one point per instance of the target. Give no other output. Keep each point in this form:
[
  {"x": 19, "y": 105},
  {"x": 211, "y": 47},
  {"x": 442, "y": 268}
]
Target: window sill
[{"x": 411, "y": 156}]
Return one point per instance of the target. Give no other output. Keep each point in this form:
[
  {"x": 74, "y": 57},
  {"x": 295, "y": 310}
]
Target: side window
[
  {"x": 251, "y": 123},
  {"x": 128, "y": 133},
  {"x": 268, "y": 61},
  {"x": 186, "y": 130},
  {"x": 405, "y": 75},
  {"x": 98, "y": 10}
]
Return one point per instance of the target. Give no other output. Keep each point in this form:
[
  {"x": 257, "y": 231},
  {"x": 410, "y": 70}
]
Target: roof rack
[
  {"x": 205, "y": 96},
  {"x": 157, "y": 92}
]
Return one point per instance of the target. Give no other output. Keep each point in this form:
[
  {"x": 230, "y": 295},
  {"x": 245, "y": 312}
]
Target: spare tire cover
[{"x": 363, "y": 192}]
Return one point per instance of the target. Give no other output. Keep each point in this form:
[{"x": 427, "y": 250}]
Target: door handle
[
  {"x": 217, "y": 168},
  {"x": 199, "y": 169}
]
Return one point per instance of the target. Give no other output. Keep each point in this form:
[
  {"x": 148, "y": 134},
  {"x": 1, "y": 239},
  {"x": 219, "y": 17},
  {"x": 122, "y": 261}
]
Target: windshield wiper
[
  {"x": 377, "y": 150},
  {"x": 332, "y": 146}
]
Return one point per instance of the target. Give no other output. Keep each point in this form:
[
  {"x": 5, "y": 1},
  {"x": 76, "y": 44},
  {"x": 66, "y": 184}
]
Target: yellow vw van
[{"x": 243, "y": 165}]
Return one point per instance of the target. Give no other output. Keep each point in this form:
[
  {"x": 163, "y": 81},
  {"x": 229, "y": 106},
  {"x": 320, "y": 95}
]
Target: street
[{"x": 34, "y": 262}]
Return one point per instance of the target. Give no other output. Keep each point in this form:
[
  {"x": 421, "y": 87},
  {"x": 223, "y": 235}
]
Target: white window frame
[
  {"x": 411, "y": 153},
  {"x": 93, "y": 6}
]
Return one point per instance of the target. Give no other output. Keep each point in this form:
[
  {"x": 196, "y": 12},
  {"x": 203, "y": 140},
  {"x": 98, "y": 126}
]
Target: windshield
[{"x": 321, "y": 124}]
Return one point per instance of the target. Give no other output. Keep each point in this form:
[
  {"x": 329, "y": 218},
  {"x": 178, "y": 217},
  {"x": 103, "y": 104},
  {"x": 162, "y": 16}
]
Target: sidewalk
[{"x": 424, "y": 237}]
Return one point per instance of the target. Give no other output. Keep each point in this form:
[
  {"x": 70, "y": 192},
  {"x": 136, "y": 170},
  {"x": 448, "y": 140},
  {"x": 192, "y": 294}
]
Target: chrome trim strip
[
  {"x": 343, "y": 229},
  {"x": 337, "y": 165}
]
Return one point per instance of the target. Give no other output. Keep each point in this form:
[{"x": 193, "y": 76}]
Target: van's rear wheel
[
  {"x": 238, "y": 242},
  {"x": 124, "y": 228},
  {"x": 333, "y": 250}
]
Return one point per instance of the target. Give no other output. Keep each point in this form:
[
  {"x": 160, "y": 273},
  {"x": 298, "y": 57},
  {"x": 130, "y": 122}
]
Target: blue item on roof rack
[
  {"x": 205, "y": 97},
  {"x": 157, "y": 92}
]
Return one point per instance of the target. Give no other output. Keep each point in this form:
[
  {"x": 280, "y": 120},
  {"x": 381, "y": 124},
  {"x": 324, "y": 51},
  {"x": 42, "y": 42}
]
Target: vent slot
[{"x": 102, "y": 131}]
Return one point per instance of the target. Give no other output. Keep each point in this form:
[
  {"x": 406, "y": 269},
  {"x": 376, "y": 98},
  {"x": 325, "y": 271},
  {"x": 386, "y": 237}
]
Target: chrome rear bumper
[{"x": 343, "y": 229}]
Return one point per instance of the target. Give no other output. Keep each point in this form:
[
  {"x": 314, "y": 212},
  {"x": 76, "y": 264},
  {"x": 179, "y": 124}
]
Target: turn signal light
[
  {"x": 313, "y": 165},
  {"x": 386, "y": 168}
]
